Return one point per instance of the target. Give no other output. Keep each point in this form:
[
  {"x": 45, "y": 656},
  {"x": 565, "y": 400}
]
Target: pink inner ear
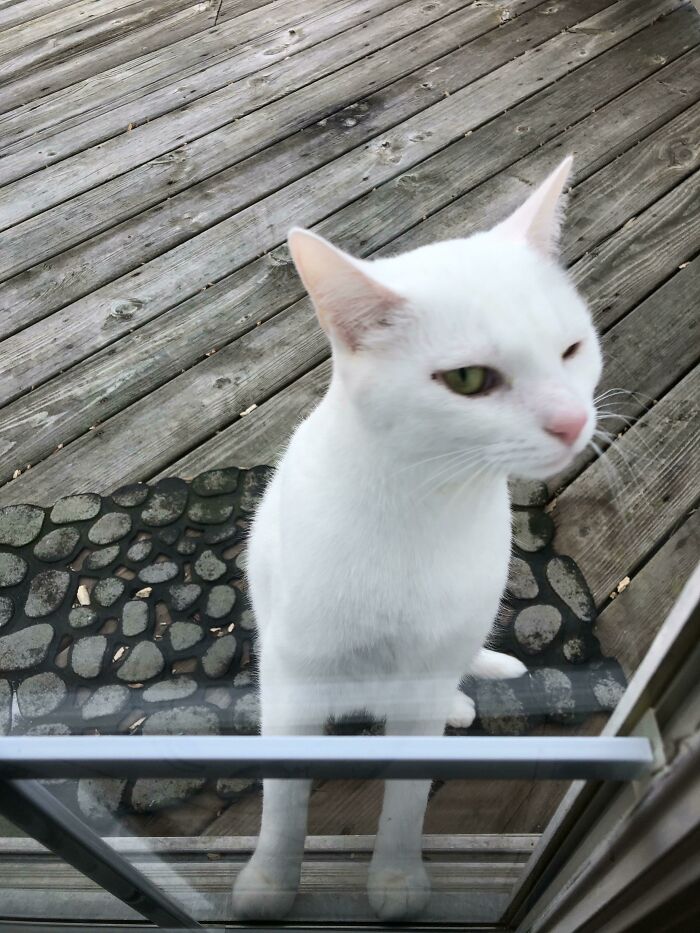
[
  {"x": 348, "y": 301},
  {"x": 538, "y": 220}
]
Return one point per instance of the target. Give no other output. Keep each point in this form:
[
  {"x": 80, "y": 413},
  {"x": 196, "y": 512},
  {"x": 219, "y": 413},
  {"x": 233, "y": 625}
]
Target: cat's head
[{"x": 480, "y": 345}]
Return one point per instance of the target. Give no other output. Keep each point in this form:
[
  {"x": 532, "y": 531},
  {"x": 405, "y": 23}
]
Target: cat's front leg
[
  {"x": 267, "y": 887},
  {"x": 398, "y": 884}
]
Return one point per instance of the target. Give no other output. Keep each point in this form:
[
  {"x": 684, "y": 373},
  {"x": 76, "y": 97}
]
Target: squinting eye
[
  {"x": 472, "y": 380},
  {"x": 571, "y": 351}
]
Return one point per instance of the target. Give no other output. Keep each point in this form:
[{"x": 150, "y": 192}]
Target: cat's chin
[{"x": 547, "y": 469}]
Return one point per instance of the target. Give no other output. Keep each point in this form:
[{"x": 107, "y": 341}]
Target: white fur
[{"x": 380, "y": 551}]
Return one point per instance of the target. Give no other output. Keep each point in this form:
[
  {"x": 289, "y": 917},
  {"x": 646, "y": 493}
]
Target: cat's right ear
[{"x": 349, "y": 302}]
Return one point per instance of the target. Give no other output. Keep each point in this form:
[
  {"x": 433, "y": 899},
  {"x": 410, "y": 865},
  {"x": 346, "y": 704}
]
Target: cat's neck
[{"x": 346, "y": 450}]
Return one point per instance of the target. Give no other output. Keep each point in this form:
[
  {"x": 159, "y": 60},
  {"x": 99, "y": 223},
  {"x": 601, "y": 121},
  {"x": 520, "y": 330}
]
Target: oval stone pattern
[
  {"x": 7, "y": 608},
  {"x": 57, "y": 544},
  {"x": 568, "y": 583},
  {"x": 536, "y": 627},
  {"x": 134, "y": 617},
  {"x": 521, "y": 580},
  {"x": 144, "y": 662},
  {"x": 159, "y": 572},
  {"x": 210, "y": 511},
  {"x": 216, "y": 482},
  {"x": 128, "y": 496},
  {"x": 105, "y": 701},
  {"x": 165, "y": 690},
  {"x": 46, "y": 593},
  {"x": 218, "y": 657},
  {"x": 40, "y": 694},
  {"x": 102, "y": 558},
  {"x": 140, "y": 550},
  {"x": 81, "y": 617},
  {"x": 182, "y": 720},
  {"x": 184, "y": 634},
  {"x": 108, "y": 591},
  {"x": 208, "y": 566},
  {"x": 75, "y": 508},
  {"x": 87, "y": 655},
  {"x": 20, "y": 524},
  {"x": 109, "y": 528},
  {"x": 164, "y": 507},
  {"x": 12, "y": 569},
  {"x": 220, "y": 602},
  {"x": 182, "y": 595},
  {"x": 25, "y": 648}
]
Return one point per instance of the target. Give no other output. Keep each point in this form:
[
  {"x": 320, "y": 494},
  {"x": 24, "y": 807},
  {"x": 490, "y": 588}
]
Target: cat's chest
[{"x": 402, "y": 564}]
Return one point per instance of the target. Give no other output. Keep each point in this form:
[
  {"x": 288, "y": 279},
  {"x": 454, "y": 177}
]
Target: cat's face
[{"x": 468, "y": 354}]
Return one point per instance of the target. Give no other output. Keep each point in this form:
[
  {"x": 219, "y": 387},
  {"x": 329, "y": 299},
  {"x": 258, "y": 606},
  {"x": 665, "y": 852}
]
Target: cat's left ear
[
  {"x": 538, "y": 220},
  {"x": 349, "y": 302}
]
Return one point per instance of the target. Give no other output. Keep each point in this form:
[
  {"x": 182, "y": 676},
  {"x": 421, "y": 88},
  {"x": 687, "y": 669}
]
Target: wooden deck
[{"x": 153, "y": 154}]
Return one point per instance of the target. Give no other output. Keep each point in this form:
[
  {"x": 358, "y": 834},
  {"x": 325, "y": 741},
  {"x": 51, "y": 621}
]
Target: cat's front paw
[
  {"x": 400, "y": 891},
  {"x": 463, "y": 712},
  {"x": 265, "y": 889}
]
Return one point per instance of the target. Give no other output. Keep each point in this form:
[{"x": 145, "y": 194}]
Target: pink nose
[{"x": 566, "y": 426}]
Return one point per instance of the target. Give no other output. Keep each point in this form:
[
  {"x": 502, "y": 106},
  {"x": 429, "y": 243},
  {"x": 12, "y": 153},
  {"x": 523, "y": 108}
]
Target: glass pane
[{"x": 158, "y": 350}]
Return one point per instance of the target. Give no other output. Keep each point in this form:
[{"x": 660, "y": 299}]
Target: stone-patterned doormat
[{"x": 128, "y": 614}]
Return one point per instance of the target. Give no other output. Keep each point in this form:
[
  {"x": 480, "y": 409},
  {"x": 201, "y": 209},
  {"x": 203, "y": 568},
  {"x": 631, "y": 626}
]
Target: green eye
[{"x": 472, "y": 380}]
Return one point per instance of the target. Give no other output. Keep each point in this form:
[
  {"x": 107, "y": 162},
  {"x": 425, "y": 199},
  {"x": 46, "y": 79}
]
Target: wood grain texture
[
  {"x": 88, "y": 66},
  {"x": 93, "y": 110},
  {"x": 217, "y": 108},
  {"x": 628, "y": 625},
  {"x": 648, "y": 249},
  {"x": 28, "y": 47},
  {"x": 259, "y": 437},
  {"x": 13, "y": 13},
  {"x": 610, "y": 532},
  {"x": 74, "y": 401},
  {"x": 321, "y": 135},
  {"x": 50, "y": 23},
  {"x": 41, "y": 350}
]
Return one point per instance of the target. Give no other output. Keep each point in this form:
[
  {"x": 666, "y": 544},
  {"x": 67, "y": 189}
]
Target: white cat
[{"x": 380, "y": 550}]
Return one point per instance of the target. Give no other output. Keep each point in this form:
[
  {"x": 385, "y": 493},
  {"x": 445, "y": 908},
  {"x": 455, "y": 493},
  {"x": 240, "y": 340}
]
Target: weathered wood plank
[
  {"x": 95, "y": 30},
  {"x": 259, "y": 437},
  {"x": 139, "y": 44},
  {"x": 628, "y": 625},
  {"x": 624, "y": 179},
  {"x": 40, "y": 351},
  {"x": 647, "y": 250},
  {"x": 330, "y": 890},
  {"x": 72, "y": 402},
  {"x": 231, "y": 9},
  {"x": 645, "y": 353},
  {"x": 95, "y": 109},
  {"x": 610, "y": 532},
  {"x": 14, "y": 12},
  {"x": 51, "y": 23},
  {"x": 85, "y": 170},
  {"x": 173, "y": 116},
  {"x": 134, "y": 242},
  {"x": 637, "y": 351},
  {"x": 155, "y": 353}
]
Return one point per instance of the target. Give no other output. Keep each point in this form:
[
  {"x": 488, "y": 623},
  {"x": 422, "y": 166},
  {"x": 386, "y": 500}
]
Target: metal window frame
[
  {"x": 598, "y": 763},
  {"x": 591, "y": 839},
  {"x": 34, "y": 809}
]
